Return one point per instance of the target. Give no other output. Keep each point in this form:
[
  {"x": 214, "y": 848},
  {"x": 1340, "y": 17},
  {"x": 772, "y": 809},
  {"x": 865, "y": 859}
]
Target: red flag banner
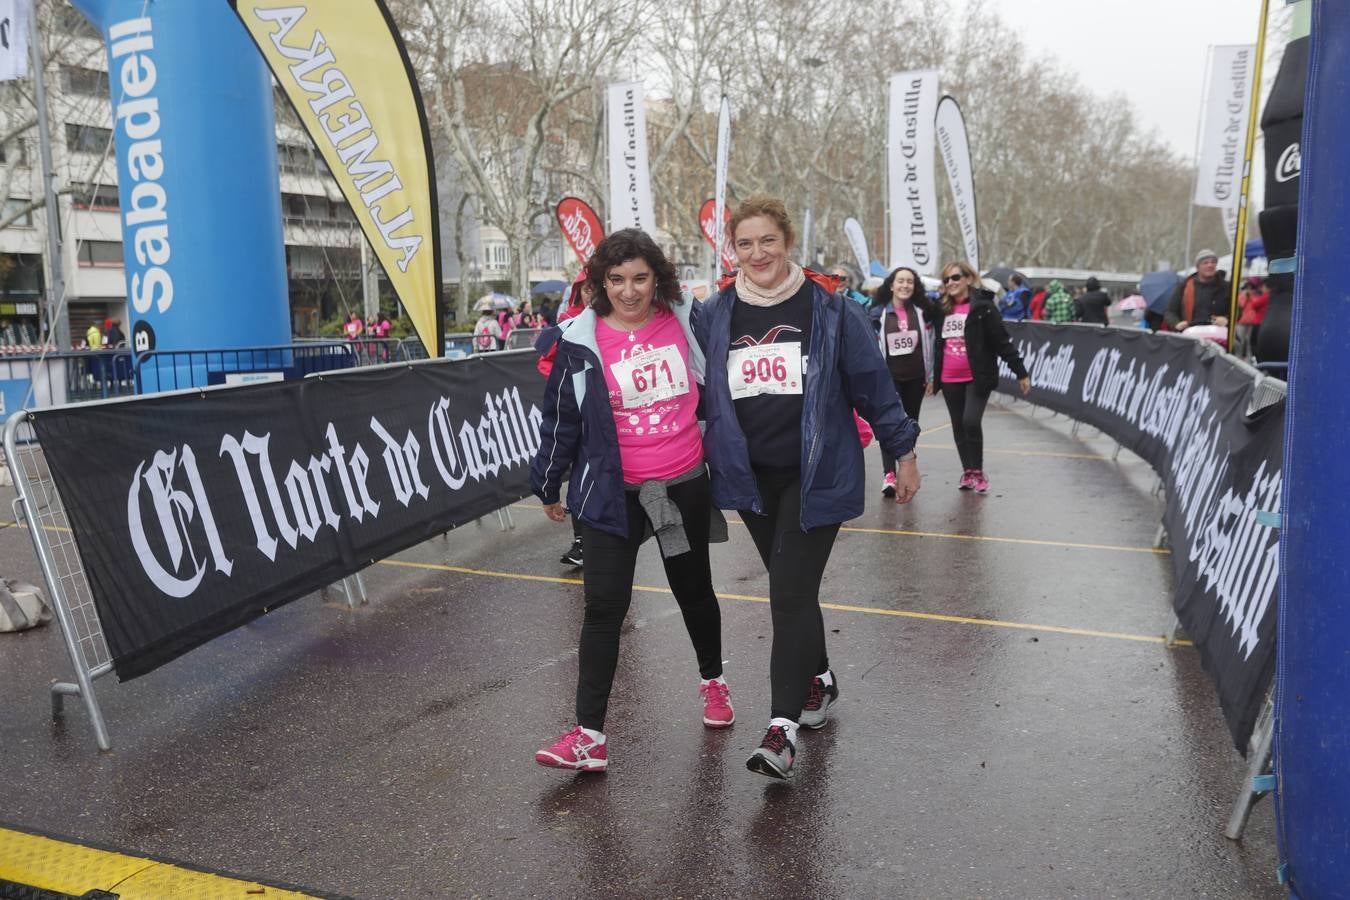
[
  {"x": 580, "y": 226},
  {"x": 706, "y": 219}
]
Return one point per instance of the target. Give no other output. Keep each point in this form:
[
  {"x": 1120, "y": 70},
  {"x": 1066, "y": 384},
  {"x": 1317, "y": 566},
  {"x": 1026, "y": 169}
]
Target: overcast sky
[{"x": 1151, "y": 51}]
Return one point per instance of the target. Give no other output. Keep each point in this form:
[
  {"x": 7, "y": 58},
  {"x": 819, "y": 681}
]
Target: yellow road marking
[
  {"x": 842, "y": 607},
  {"x": 1156, "y": 551},
  {"x": 71, "y": 868},
  {"x": 1048, "y": 453}
]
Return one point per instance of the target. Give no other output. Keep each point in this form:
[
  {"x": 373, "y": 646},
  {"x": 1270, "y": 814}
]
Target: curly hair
[
  {"x": 617, "y": 249},
  {"x": 886, "y": 292},
  {"x": 770, "y": 208}
]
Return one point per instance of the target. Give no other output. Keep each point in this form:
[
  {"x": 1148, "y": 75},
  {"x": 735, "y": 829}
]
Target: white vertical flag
[
  {"x": 909, "y": 158},
  {"x": 720, "y": 180},
  {"x": 954, "y": 145},
  {"x": 14, "y": 38},
  {"x": 630, "y": 184},
  {"x": 858, "y": 242},
  {"x": 1224, "y": 138}
]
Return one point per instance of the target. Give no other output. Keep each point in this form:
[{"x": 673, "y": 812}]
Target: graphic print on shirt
[
  {"x": 648, "y": 378},
  {"x": 761, "y": 366}
]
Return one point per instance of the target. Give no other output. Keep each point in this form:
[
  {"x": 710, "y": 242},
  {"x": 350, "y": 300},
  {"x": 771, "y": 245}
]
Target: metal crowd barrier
[
  {"x": 171, "y": 370},
  {"x": 39, "y": 507},
  {"x": 40, "y": 510},
  {"x": 521, "y": 338}
]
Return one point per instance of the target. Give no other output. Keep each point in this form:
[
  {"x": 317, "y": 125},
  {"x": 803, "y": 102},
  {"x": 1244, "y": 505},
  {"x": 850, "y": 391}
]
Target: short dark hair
[
  {"x": 617, "y": 249},
  {"x": 886, "y": 293},
  {"x": 1016, "y": 279},
  {"x": 1093, "y": 284}
]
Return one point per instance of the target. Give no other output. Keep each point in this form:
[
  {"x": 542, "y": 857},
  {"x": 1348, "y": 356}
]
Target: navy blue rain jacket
[
  {"x": 578, "y": 428},
  {"x": 844, "y": 371}
]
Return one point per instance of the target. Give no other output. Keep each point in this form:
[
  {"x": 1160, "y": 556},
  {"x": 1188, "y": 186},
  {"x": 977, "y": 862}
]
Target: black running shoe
[
  {"x": 818, "y": 701},
  {"x": 573, "y": 555},
  {"x": 774, "y": 755}
]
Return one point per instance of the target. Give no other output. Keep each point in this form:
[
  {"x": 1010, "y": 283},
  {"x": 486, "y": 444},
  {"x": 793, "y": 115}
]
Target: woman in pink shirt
[
  {"x": 970, "y": 340},
  {"x": 620, "y": 411}
]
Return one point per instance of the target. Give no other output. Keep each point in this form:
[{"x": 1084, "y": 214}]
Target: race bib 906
[{"x": 766, "y": 369}]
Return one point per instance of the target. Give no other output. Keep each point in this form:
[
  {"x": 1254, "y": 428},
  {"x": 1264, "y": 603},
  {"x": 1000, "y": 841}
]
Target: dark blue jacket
[
  {"x": 578, "y": 427},
  {"x": 845, "y": 371}
]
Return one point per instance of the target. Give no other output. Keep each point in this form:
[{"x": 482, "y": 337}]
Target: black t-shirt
[
  {"x": 906, "y": 366},
  {"x": 1095, "y": 305},
  {"x": 772, "y": 422}
]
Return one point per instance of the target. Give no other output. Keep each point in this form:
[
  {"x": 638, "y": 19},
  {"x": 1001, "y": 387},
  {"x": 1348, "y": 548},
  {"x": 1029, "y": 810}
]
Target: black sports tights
[
  {"x": 608, "y": 576},
  {"x": 795, "y": 560},
  {"x": 966, "y": 407}
]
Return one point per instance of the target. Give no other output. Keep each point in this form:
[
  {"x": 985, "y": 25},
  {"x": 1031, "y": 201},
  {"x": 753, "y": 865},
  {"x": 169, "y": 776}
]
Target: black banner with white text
[
  {"x": 195, "y": 513},
  {"x": 1183, "y": 407}
]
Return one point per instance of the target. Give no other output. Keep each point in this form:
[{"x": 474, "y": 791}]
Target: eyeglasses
[{"x": 957, "y": 277}]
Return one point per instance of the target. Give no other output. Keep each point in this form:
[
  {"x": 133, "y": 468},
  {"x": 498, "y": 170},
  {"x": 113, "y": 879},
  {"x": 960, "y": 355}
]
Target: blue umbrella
[
  {"x": 552, "y": 286},
  {"x": 1157, "y": 288}
]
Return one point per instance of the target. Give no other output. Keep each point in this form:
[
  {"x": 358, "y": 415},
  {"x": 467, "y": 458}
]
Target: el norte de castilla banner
[
  {"x": 345, "y": 70},
  {"x": 201, "y": 511},
  {"x": 1188, "y": 410}
]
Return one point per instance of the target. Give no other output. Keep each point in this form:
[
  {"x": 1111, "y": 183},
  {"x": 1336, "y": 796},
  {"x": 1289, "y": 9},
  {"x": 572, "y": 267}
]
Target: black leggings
[
  {"x": 966, "y": 406},
  {"x": 795, "y": 560},
  {"x": 608, "y": 576},
  {"x": 911, "y": 397}
]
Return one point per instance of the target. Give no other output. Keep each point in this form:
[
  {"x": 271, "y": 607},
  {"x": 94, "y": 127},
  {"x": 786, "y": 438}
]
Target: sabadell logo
[{"x": 1287, "y": 167}]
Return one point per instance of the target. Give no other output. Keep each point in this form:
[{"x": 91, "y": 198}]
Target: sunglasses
[{"x": 957, "y": 277}]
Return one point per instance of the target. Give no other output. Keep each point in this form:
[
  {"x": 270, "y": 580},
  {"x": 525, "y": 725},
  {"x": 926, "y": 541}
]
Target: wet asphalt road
[{"x": 387, "y": 751}]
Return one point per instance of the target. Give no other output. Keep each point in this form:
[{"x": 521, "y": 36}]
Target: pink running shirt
[
  {"x": 955, "y": 362},
  {"x": 654, "y": 398}
]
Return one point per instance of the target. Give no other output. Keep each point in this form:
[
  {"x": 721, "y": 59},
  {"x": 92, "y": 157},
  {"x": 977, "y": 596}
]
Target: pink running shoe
[
  {"x": 717, "y": 711},
  {"x": 575, "y": 750},
  {"x": 888, "y": 485},
  {"x": 979, "y": 482},
  {"x": 967, "y": 482}
]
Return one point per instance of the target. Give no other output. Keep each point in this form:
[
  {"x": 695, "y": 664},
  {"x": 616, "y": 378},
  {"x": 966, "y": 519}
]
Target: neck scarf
[{"x": 747, "y": 290}]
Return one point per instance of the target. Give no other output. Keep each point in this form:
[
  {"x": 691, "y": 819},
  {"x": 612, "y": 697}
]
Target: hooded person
[
  {"x": 1059, "y": 306},
  {"x": 1094, "y": 303}
]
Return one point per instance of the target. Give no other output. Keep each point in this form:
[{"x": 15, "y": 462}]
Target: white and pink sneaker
[
  {"x": 575, "y": 750},
  {"x": 717, "y": 711}
]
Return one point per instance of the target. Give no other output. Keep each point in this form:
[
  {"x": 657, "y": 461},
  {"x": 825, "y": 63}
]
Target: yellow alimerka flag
[{"x": 346, "y": 72}]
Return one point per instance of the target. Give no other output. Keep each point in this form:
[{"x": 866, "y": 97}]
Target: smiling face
[
  {"x": 955, "y": 283},
  {"x": 1206, "y": 268},
  {"x": 902, "y": 286},
  {"x": 761, "y": 251},
  {"x": 630, "y": 287}
]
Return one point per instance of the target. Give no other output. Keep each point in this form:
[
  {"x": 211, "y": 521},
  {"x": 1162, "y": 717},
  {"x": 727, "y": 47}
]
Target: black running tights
[
  {"x": 608, "y": 576},
  {"x": 795, "y": 560}
]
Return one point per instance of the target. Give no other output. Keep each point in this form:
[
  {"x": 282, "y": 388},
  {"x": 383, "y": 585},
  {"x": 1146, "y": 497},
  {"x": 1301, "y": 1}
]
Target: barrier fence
[{"x": 199, "y": 513}]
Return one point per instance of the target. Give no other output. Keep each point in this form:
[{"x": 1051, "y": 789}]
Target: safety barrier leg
[{"x": 1259, "y": 781}]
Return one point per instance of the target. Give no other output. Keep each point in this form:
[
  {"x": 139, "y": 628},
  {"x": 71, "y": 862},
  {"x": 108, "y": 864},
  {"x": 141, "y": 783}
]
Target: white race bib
[
  {"x": 648, "y": 378},
  {"x": 954, "y": 326},
  {"x": 902, "y": 343},
  {"x": 766, "y": 369}
]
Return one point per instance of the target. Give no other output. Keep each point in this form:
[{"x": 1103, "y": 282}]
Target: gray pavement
[{"x": 1053, "y": 748}]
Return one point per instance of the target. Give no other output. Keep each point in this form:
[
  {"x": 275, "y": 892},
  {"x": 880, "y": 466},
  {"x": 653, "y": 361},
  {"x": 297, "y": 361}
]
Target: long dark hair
[
  {"x": 617, "y": 249},
  {"x": 886, "y": 293}
]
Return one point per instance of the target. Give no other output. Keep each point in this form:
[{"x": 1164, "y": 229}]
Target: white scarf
[{"x": 747, "y": 290}]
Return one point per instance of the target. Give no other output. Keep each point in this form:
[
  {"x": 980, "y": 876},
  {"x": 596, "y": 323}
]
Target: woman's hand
[
  {"x": 555, "y": 512},
  {"x": 906, "y": 480},
  {"x": 931, "y": 389},
  {"x": 1025, "y": 385}
]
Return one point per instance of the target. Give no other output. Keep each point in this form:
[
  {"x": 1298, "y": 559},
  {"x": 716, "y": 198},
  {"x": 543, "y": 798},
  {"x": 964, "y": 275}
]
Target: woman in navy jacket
[
  {"x": 620, "y": 412},
  {"x": 788, "y": 361}
]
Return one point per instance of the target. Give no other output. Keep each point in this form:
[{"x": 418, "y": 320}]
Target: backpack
[{"x": 485, "y": 335}]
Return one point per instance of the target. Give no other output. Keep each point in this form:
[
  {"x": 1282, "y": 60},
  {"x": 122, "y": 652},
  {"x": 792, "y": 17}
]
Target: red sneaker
[
  {"x": 717, "y": 711},
  {"x": 575, "y": 750}
]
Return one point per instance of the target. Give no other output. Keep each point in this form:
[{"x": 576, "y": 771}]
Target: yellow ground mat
[{"x": 73, "y": 869}]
